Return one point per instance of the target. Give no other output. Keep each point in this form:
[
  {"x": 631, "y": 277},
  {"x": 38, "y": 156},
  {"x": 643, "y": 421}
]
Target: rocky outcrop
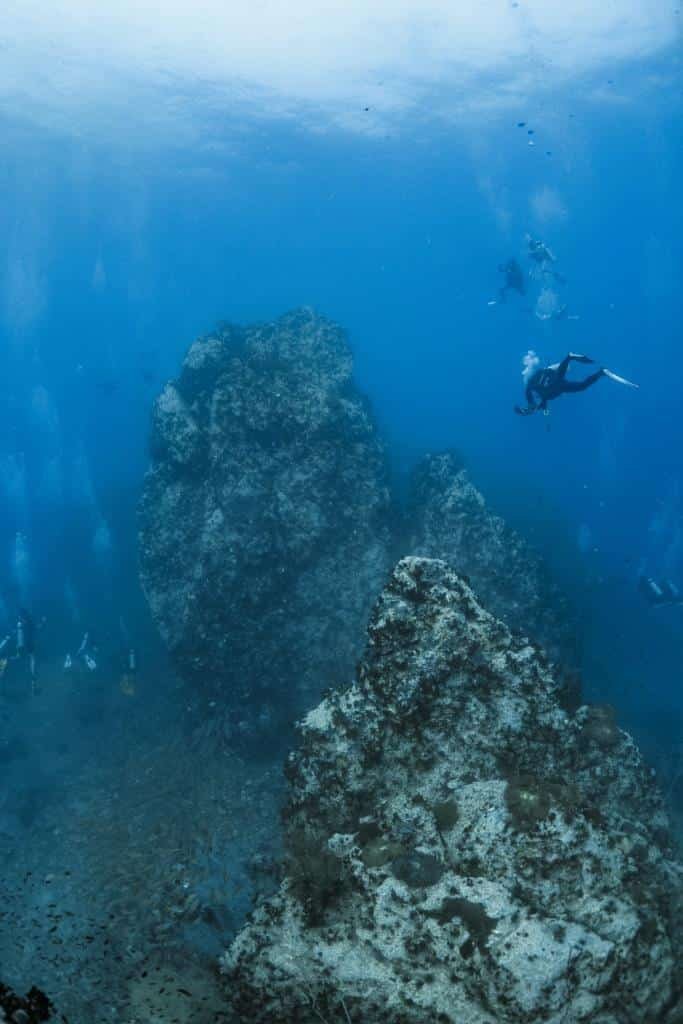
[
  {"x": 267, "y": 528},
  {"x": 460, "y": 848},
  {"x": 31, "y": 1009},
  {"x": 448, "y": 519},
  {"x": 264, "y": 537}
]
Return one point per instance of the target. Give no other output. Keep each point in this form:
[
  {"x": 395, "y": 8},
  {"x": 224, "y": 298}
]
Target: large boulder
[
  {"x": 460, "y": 847},
  {"x": 264, "y": 518}
]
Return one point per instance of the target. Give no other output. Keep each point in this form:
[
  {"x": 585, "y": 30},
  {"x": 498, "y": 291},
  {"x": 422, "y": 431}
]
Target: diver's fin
[{"x": 620, "y": 380}]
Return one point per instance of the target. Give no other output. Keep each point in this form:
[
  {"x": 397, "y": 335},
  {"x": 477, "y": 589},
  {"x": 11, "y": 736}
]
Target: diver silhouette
[
  {"x": 549, "y": 382},
  {"x": 513, "y": 279}
]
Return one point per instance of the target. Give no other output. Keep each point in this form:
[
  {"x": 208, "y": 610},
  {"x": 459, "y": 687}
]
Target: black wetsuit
[
  {"x": 514, "y": 279},
  {"x": 550, "y": 382}
]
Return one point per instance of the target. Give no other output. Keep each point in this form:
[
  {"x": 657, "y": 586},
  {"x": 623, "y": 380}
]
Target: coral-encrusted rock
[
  {"x": 264, "y": 538},
  {"x": 30, "y": 1009},
  {"x": 448, "y": 519},
  {"x": 460, "y": 849}
]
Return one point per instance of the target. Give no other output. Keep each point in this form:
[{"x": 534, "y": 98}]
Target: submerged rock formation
[
  {"x": 460, "y": 848},
  {"x": 448, "y": 519},
  {"x": 264, "y": 537},
  {"x": 267, "y": 528},
  {"x": 29, "y": 1009}
]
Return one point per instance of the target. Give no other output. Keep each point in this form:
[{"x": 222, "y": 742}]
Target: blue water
[{"x": 121, "y": 245}]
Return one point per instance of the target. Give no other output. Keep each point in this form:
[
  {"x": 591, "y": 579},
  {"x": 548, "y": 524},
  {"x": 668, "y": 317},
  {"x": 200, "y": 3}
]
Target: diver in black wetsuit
[
  {"x": 550, "y": 382},
  {"x": 514, "y": 279}
]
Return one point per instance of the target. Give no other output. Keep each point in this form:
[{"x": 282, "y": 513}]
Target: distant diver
[
  {"x": 4, "y": 660},
  {"x": 26, "y": 644},
  {"x": 659, "y": 595},
  {"x": 543, "y": 384},
  {"x": 127, "y": 683},
  {"x": 539, "y": 251},
  {"x": 543, "y": 257},
  {"x": 514, "y": 279},
  {"x": 85, "y": 652}
]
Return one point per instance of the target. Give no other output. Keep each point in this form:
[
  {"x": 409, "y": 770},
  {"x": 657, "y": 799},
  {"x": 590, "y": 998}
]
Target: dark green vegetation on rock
[
  {"x": 30, "y": 1009},
  {"x": 315, "y": 876},
  {"x": 473, "y": 916},
  {"x": 264, "y": 520},
  {"x": 418, "y": 870},
  {"x": 446, "y": 814}
]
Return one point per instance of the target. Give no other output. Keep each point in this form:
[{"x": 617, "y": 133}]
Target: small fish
[{"x": 521, "y": 124}]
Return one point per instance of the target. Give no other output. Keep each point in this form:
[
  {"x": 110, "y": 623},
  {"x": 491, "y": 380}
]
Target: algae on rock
[
  {"x": 263, "y": 523},
  {"x": 549, "y": 897},
  {"x": 267, "y": 528}
]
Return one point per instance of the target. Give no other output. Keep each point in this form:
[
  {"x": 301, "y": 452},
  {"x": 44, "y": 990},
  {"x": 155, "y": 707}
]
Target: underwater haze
[{"x": 166, "y": 169}]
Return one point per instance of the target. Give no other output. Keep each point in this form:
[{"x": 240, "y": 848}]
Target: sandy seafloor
[{"x": 133, "y": 855}]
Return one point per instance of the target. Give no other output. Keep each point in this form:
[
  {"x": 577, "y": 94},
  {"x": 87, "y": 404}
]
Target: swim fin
[{"x": 619, "y": 380}]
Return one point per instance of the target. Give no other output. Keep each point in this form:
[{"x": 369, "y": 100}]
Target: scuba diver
[
  {"x": 26, "y": 644},
  {"x": 661, "y": 594},
  {"x": 539, "y": 251},
  {"x": 127, "y": 682},
  {"x": 549, "y": 382},
  {"x": 4, "y": 659},
  {"x": 514, "y": 279},
  {"x": 543, "y": 257},
  {"x": 128, "y": 662}
]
